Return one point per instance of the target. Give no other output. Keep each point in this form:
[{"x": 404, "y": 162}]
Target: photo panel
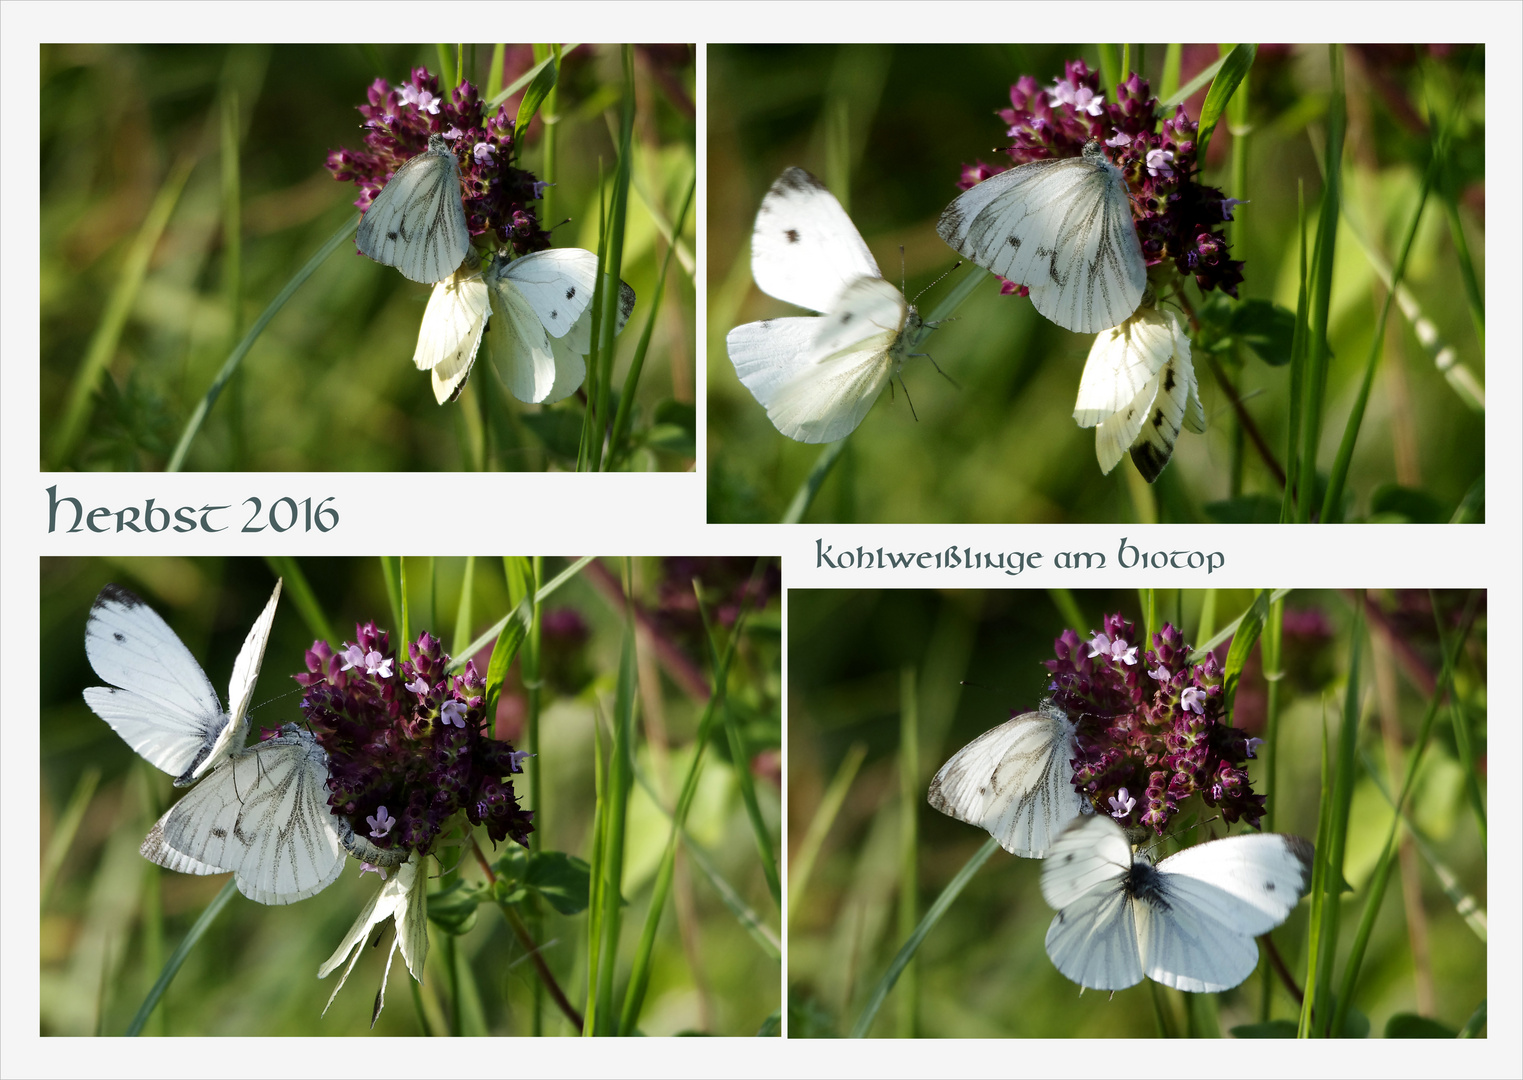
[
  {"x": 294, "y": 257},
  {"x": 1103, "y": 814},
  {"x": 546, "y": 789},
  {"x": 1096, "y": 283}
]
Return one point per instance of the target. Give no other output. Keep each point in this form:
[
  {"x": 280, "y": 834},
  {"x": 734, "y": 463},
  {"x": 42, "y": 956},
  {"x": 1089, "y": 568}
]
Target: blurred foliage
[
  {"x": 330, "y": 384},
  {"x": 111, "y": 918},
  {"x": 983, "y": 970},
  {"x": 888, "y": 130}
]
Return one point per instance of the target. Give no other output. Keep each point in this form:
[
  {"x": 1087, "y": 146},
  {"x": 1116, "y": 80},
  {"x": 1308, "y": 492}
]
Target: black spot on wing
[
  {"x": 1168, "y": 382},
  {"x": 1014, "y": 242},
  {"x": 792, "y": 235},
  {"x": 845, "y": 317},
  {"x": 118, "y": 635},
  {"x": 554, "y": 314},
  {"x": 391, "y": 236},
  {"x": 220, "y": 833},
  {"x": 571, "y": 293}
]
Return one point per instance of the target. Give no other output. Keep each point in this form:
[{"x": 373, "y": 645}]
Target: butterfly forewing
[
  {"x": 1121, "y": 362},
  {"x": 161, "y": 702},
  {"x": 240, "y": 691},
  {"x": 1015, "y": 781},
  {"x": 1093, "y": 941},
  {"x": 557, "y": 283},
  {"x": 417, "y": 222},
  {"x": 805, "y": 250}
]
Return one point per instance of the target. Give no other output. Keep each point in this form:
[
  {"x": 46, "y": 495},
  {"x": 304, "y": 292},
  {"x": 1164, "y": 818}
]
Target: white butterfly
[
  {"x": 1015, "y": 781},
  {"x": 161, "y": 702},
  {"x": 817, "y": 378},
  {"x": 1061, "y": 228},
  {"x": 535, "y": 313},
  {"x": 1188, "y": 922},
  {"x": 1139, "y": 387},
  {"x": 417, "y": 222},
  {"x": 262, "y": 815}
]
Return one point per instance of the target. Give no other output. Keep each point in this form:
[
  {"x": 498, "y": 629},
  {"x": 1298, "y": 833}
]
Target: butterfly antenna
[{"x": 932, "y": 285}]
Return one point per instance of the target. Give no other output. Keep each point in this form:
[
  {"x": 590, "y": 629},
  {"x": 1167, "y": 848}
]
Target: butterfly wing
[
  {"x": 518, "y": 343},
  {"x": 453, "y": 324},
  {"x": 570, "y": 350},
  {"x": 160, "y": 701},
  {"x": 1093, "y": 938},
  {"x": 1121, "y": 362},
  {"x": 417, "y": 222},
  {"x": 817, "y": 378},
  {"x": 1014, "y": 781},
  {"x": 240, "y": 691},
  {"x": 805, "y": 250},
  {"x": 557, "y": 283},
  {"x": 1154, "y": 444},
  {"x": 262, "y": 815},
  {"x": 1061, "y": 228}
]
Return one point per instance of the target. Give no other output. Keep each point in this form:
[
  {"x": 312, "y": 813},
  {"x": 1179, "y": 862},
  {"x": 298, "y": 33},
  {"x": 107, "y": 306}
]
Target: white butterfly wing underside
[
  {"x": 1014, "y": 781},
  {"x": 1061, "y": 228},
  {"x": 263, "y": 816},
  {"x": 240, "y": 691},
  {"x": 818, "y": 377},
  {"x": 1121, "y": 362},
  {"x": 1093, "y": 938},
  {"x": 453, "y": 323},
  {"x": 805, "y": 250},
  {"x": 417, "y": 222}
]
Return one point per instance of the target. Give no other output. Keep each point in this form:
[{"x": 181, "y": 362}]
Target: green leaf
[
  {"x": 1234, "y": 69},
  {"x": 1412, "y": 1026},
  {"x": 1266, "y": 328},
  {"x": 533, "y": 98},
  {"x": 674, "y": 428},
  {"x": 563, "y": 880},
  {"x": 1249, "y": 628},
  {"x": 453, "y": 909},
  {"x": 772, "y": 1026}
]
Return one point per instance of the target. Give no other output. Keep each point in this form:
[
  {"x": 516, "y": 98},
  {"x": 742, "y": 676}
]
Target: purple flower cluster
[
  {"x": 1178, "y": 219},
  {"x": 1150, "y": 731},
  {"x": 407, "y": 744},
  {"x": 398, "y": 122}
]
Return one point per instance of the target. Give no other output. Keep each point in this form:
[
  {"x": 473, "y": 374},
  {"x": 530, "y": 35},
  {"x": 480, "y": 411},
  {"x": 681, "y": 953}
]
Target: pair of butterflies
[
  {"x": 259, "y": 812},
  {"x": 1064, "y": 228},
  {"x": 534, "y": 310},
  {"x": 1188, "y": 922}
]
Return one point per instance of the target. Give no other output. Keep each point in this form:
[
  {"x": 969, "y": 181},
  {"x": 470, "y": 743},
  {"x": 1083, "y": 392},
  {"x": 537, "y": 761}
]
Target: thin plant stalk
[
  {"x": 230, "y": 365},
  {"x": 910, "y": 798},
  {"x": 1270, "y": 657},
  {"x": 802, "y": 867},
  {"x": 172, "y": 968},
  {"x": 908, "y": 949},
  {"x": 1297, "y": 488},
  {"x": 108, "y": 332},
  {"x": 620, "y": 783}
]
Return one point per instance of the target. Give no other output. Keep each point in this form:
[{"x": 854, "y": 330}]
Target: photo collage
[{"x": 785, "y": 542}]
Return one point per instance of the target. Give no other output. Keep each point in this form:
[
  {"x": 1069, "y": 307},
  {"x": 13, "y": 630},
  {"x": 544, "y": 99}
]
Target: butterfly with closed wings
[
  {"x": 818, "y": 377},
  {"x": 1015, "y": 781},
  {"x": 259, "y": 812},
  {"x": 1188, "y": 922},
  {"x": 1062, "y": 228},
  {"x": 417, "y": 222}
]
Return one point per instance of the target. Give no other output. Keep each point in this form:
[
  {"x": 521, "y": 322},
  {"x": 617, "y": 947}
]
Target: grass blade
[
  {"x": 907, "y": 951},
  {"x": 620, "y": 781},
  {"x": 495, "y": 629},
  {"x": 172, "y": 968},
  {"x": 463, "y": 608},
  {"x": 300, "y": 591},
  {"x": 911, "y": 795},
  {"x": 1234, "y": 69},
  {"x": 108, "y": 333},
  {"x": 819, "y": 826},
  {"x": 66, "y": 829},
  {"x": 1297, "y": 487},
  {"x": 534, "y": 97},
  {"x": 1227, "y": 631},
  {"x": 230, "y": 365},
  {"x": 1247, "y": 635}
]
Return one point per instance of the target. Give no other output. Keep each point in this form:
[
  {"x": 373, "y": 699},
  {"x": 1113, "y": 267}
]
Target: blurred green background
[
  {"x": 888, "y": 130},
  {"x": 110, "y": 918},
  {"x": 983, "y": 970},
  {"x": 330, "y": 384}
]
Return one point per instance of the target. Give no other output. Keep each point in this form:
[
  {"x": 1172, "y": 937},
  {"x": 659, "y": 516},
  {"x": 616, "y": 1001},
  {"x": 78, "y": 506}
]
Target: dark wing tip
[
  {"x": 1149, "y": 461},
  {"x": 115, "y": 594},
  {"x": 797, "y": 179}
]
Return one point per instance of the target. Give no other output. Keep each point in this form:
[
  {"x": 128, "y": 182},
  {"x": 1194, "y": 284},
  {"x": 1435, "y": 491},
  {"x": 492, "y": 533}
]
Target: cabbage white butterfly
[
  {"x": 1014, "y": 781},
  {"x": 536, "y": 314},
  {"x": 1061, "y": 228},
  {"x": 1188, "y": 922},
  {"x": 160, "y": 701},
  {"x": 817, "y": 378},
  {"x": 417, "y": 222},
  {"x": 1139, "y": 387},
  {"x": 263, "y": 816}
]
